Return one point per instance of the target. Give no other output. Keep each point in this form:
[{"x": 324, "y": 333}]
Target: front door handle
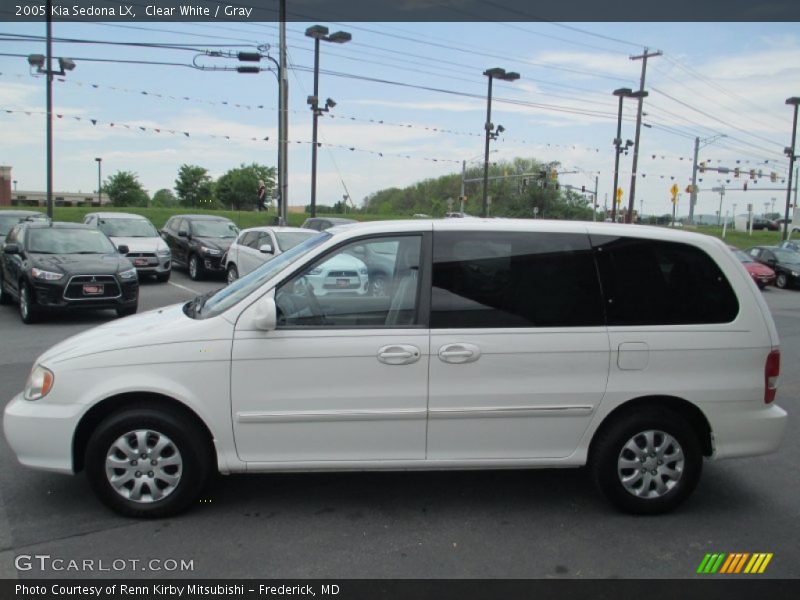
[
  {"x": 459, "y": 353},
  {"x": 398, "y": 354}
]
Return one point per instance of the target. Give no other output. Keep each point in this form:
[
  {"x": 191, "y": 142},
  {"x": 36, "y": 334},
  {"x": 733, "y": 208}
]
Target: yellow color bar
[{"x": 765, "y": 563}]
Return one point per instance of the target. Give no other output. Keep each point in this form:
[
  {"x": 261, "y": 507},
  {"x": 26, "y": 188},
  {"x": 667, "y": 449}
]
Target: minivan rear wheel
[
  {"x": 147, "y": 462},
  {"x": 647, "y": 462}
]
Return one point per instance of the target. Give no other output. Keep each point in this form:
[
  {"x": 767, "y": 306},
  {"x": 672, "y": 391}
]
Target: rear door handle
[
  {"x": 398, "y": 354},
  {"x": 459, "y": 353}
]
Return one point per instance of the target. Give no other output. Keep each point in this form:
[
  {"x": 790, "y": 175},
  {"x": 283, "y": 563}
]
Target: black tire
[
  {"x": 781, "y": 281},
  {"x": 28, "y": 311},
  {"x": 195, "y": 267},
  {"x": 607, "y": 453},
  {"x": 163, "y": 277},
  {"x": 232, "y": 273},
  {"x": 193, "y": 450},
  {"x": 127, "y": 311},
  {"x": 4, "y": 297}
]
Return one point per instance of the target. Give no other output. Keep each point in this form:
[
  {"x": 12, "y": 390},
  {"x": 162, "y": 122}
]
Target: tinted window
[
  {"x": 248, "y": 239},
  {"x": 69, "y": 241},
  {"x": 650, "y": 282},
  {"x": 514, "y": 280}
]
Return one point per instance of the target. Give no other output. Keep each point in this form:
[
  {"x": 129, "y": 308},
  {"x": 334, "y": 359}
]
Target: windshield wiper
[{"x": 196, "y": 306}]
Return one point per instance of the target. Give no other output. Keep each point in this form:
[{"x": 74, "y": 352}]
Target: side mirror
[
  {"x": 266, "y": 314},
  {"x": 265, "y": 248},
  {"x": 11, "y": 248},
  {"x": 183, "y": 233},
  {"x": 123, "y": 249}
]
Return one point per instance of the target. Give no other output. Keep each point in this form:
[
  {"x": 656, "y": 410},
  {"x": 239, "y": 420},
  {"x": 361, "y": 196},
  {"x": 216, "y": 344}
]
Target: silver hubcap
[
  {"x": 781, "y": 280},
  {"x": 23, "y": 302},
  {"x": 379, "y": 287},
  {"x": 144, "y": 466},
  {"x": 232, "y": 276},
  {"x": 650, "y": 464},
  {"x": 193, "y": 267}
]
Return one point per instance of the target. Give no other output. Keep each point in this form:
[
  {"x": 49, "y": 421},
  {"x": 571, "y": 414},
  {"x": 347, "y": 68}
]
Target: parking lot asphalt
[{"x": 501, "y": 524}]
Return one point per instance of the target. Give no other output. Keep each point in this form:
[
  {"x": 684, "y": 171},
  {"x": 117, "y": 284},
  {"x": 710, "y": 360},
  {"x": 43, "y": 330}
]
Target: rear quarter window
[{"x": 652, "y": 282}]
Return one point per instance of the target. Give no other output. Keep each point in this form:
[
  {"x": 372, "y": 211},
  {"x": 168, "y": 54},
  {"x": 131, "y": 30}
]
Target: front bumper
[
  {"x": 745, "y": 429},
  {"x": 41, "y": 433},
  {"x": 56, "y": 296},
  {"x": 213, "y": 264},
  {"x": 151, "y": 265}
]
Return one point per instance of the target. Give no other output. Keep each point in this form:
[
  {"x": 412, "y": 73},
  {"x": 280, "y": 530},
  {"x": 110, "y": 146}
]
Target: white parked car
[
  {"x": 637, "y": 351},
  {"x": 257, "y": 245},
  {"x": 146, "y": 250}
]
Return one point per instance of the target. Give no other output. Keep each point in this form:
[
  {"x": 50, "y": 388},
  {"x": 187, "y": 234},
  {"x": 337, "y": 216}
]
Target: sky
[{"x": 713, "y": 80}]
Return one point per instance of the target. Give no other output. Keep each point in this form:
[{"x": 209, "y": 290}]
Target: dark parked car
[
  {"x": 790, "y": 245},
  {"x": 785, "y": 263},
  {"x": 323, "y": 223},
  {"x": 766, "y": 224},
  {"x": 761, "y": 274},
  {"x": 52, "y": 266},
  {"x": 9, "y": 218},
  {"x": 198, "y": 242}
]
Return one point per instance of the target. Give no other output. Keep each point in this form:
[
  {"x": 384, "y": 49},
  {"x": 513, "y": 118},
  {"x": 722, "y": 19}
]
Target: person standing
[{"x": 261, "y": 201}]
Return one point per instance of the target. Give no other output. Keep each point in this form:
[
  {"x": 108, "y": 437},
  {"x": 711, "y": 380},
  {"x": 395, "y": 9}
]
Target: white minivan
[{"x": 498, "y": 344}]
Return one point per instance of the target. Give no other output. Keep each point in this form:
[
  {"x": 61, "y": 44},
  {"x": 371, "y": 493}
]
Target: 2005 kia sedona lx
[{"x": 498, "y": 344}]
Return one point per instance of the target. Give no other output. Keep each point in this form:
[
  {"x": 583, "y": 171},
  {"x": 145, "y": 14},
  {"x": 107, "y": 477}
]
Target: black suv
[
  {"x": 50, "y": 266},
  {"x": 198, "y": 242}
]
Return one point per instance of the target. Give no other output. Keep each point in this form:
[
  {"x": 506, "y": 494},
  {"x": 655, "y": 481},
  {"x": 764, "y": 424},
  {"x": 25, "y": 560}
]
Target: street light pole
[
  {"x": 498, "y": 73},
  {"x": 319, "y": 33},
  {"x": 620, "y": 93},
  {"x": 99, "y": 182},
  {"x": 283, "y": 122},
  {"x": 49, "y": 87},
  {"x": 793, "y": 101}
]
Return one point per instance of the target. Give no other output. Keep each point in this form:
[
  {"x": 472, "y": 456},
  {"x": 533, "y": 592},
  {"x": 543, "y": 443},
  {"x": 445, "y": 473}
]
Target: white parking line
[{"x": 183, "y": 287}]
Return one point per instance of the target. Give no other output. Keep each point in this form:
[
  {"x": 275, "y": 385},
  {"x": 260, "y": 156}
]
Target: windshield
[
  {"x": 287, "y": 240},
  {"x": 241, "y": 288},
  {"x": 742, "y": 256},
  {"x": 127, "y": 228},
  {"x": 787, "y": 256},
  {"x": 8, "y": 221},
  {"x": 69, "y": 241},
  {"x": 217, "y": 229}
]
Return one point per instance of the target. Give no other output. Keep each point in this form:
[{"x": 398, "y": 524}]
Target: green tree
[
  {"x": 123, "y": 189},
  {"x": 194, "y": 186},
  {"x": 238, "y": 188},
  {"x": 165, "y": 198}
]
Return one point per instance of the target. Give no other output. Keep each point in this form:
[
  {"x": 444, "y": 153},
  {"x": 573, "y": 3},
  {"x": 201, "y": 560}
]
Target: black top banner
[{"x": 141, "y": 11}]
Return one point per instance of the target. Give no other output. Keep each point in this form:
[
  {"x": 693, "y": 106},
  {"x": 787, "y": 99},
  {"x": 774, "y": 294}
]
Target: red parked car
[{"x": 761, "y": 274}]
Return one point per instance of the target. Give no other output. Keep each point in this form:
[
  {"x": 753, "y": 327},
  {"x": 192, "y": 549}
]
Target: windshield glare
[
  {"x": 218, "y": 229},
  {"x": 287, "y": 240},
  {"x": 127, "y": 228},
  {"x": 785, "y": 256},
  {"x": 241, "y": 288},
  {"x": 69, "y": 241}
]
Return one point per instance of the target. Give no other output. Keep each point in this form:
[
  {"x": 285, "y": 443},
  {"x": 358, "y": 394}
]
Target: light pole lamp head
[
  {"x": 317, "y": 32},
  {"x": 621, "y": 92},
  {"x": 793, "y": 101},
  {"x": 512, "y": 76},
  {"x": 312, "y": 100},
  {"x": 500, "y": 129},
  {"x": 36, "y": 60},
  {"x": 66, "y": 64},
  {"x": 639, "y": 94},
  {"x": 339, "y": 37},
  {"x": 99, "y": 160},
  {"x": 497, "y": 73},
  {"x": 330, "y": 103}
]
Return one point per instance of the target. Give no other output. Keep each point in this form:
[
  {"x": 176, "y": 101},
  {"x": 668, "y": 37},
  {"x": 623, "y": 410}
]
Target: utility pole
[
  {"x": 463, "y": 177},
  {"x": 643, "y": 58},
  {"x": 693, "y": 195},
  {"x": 595, "y": 200},
  {"x": 283, "y": 123}
]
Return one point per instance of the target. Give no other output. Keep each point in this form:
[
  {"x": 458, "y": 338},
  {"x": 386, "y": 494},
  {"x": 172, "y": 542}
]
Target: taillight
[{"x": 772, "y": 369}]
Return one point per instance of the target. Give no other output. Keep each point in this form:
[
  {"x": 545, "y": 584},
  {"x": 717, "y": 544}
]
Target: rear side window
[
  {"x": 503, "y": 279},
  {"x": 651, "y": 282}
]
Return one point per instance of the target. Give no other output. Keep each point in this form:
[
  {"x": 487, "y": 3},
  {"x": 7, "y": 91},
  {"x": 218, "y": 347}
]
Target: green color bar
[
  {"x": 702, "y": 567},
  {"x": 718, "y": 563}
]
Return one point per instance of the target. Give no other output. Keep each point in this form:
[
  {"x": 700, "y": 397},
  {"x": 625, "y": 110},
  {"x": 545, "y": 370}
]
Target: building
[{"x": 13, "y": 197}]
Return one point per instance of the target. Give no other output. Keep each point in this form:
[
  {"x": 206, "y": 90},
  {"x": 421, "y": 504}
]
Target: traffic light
[
  {"x": 736, "y": 172},
  {"x": 752, "y": 173},
  {"x": 583, "y": 189},
  {"x": 703, "y": 167},
  {"x": 773, "y": 177},
  {"x": 553, "y": 174},
  {"x": 745, "y": 186}
]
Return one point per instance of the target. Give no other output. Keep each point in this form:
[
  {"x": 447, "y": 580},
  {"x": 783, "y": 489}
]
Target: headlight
[
  {"x": 39, "y": 384},
  {"x": 46, "y": 275},
  {"x": 164, "y": 252},
  {"x": 129, "y": 274},
  {"x": 362, "y": 271},
  {"x": 210, "y": 251},
  {"x": 795, "y": 274}
]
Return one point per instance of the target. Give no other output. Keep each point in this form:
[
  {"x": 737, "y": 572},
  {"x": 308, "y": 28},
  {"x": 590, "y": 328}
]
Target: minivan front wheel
[
  {"x": 147, "y": 462},
  {"x": 647, "y": 462}
]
